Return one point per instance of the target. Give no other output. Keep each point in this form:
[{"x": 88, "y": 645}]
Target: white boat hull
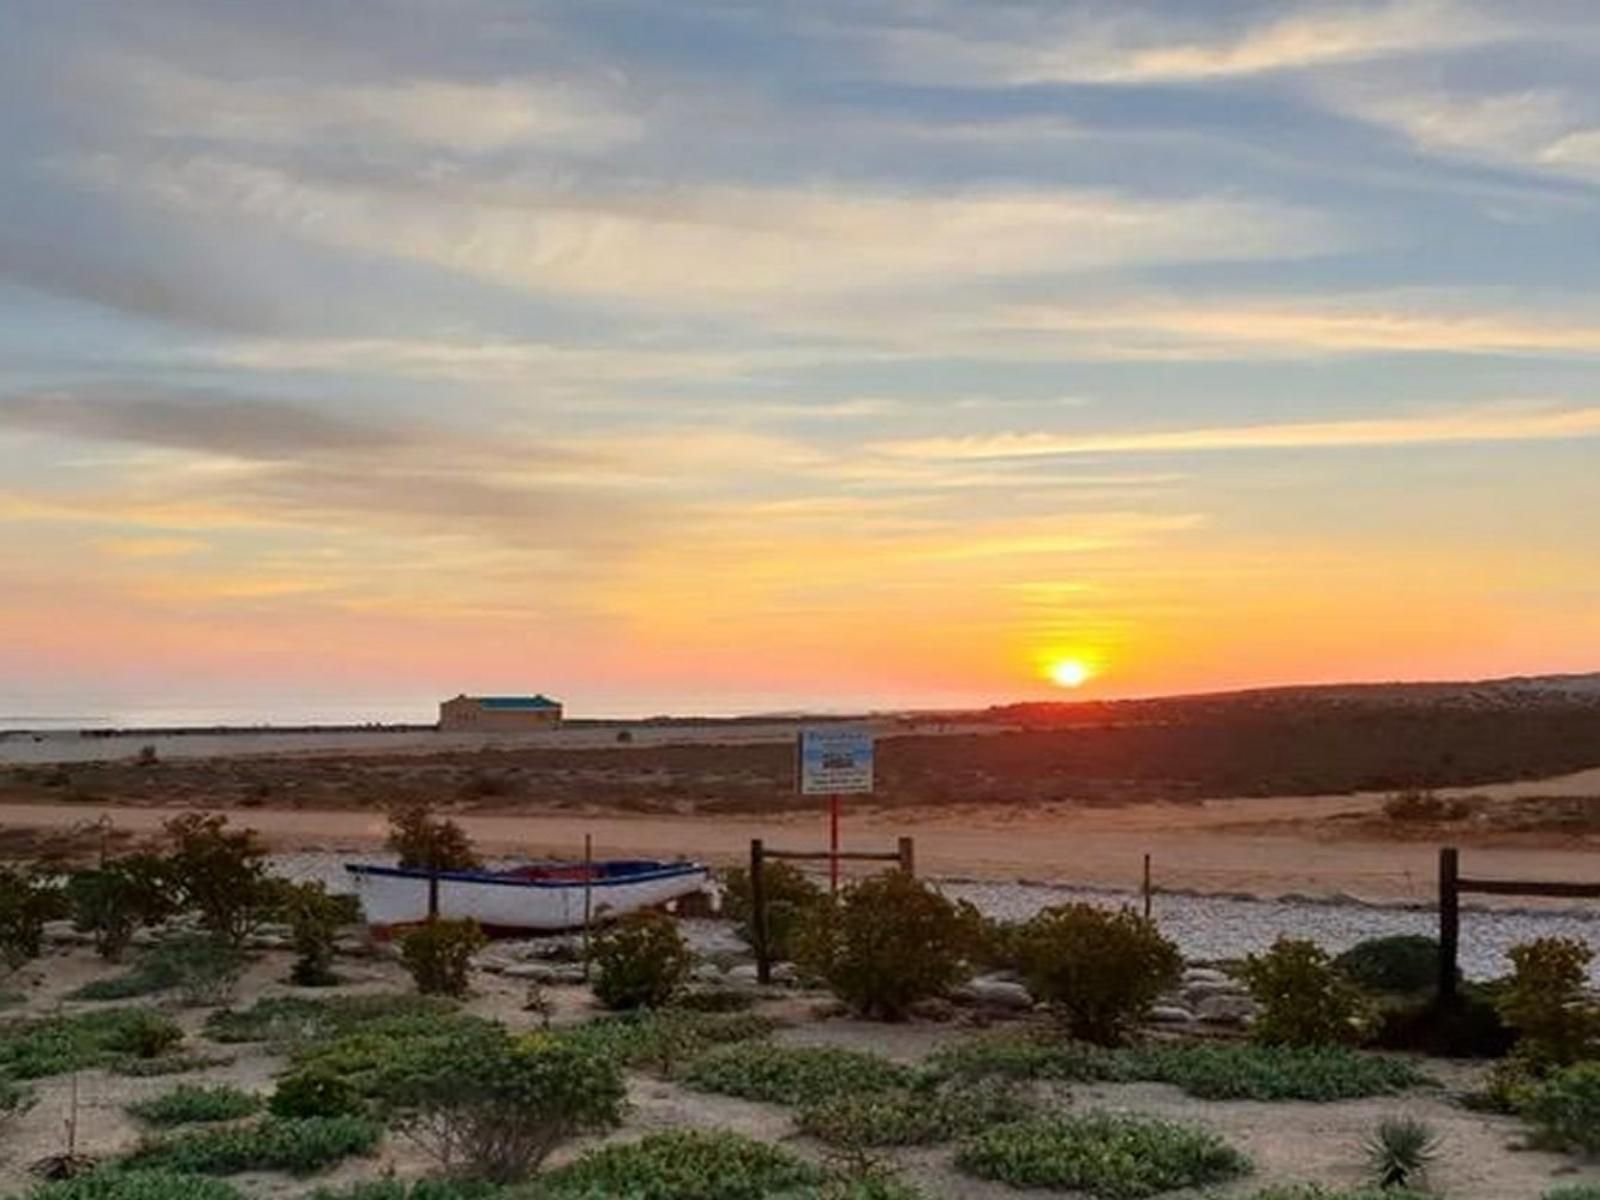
[{"x": 390, "y": 897}]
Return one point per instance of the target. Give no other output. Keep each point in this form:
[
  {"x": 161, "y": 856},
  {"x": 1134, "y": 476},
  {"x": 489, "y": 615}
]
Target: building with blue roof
[{"x": 499, "y": 714}]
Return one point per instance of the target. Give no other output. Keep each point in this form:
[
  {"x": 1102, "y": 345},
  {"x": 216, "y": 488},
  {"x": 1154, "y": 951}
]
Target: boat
[{"x": 530, "y": 898}]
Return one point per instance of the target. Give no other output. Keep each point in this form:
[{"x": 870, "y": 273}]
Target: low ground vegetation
[
  {"x": 295, "y": 1146},
  {"x": 793, "y": 1074},
  {"x": 914, "y": 1116},
  {"x": 193, "y": 1104},
  {"x": 1109, "y": 1156},
  {"x": 34, "y": 1049}
]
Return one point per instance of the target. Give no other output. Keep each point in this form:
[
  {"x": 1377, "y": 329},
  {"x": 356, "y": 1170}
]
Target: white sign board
[{"x": 835, "y": 761}]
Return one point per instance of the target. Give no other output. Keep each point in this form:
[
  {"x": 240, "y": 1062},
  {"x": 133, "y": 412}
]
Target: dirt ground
[
  {"x": 1316, "y": 845},
  {"x": 1481, "y": 1157}
]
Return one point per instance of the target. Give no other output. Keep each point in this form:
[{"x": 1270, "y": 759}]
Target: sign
[{"x": 835, "y": 761}]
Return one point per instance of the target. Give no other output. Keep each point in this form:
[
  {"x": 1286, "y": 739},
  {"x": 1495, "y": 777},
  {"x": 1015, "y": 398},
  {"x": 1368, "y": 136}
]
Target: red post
[{"x": 833, "y": 842}]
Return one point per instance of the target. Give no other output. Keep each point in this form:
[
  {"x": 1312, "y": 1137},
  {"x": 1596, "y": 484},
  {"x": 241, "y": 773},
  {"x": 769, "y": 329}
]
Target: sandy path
[{"x": 1196, "y": 846}]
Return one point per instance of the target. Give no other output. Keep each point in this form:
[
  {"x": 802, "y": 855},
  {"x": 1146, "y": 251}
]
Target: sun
[{"x": 1070, "y": 673}]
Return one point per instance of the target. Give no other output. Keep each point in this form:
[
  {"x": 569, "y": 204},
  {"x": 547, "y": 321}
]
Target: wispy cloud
[{"x": 1475, "y": 425}]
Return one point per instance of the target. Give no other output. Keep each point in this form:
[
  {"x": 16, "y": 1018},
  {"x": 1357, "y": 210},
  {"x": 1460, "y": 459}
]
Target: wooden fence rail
[
  {"x": 1451, "y": 886},
  {"x": 904, "y": 856}
]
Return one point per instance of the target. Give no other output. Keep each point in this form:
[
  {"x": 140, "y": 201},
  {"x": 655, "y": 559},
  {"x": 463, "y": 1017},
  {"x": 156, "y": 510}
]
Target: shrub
[
  {"x": 666, "y": 1038},
  {"x": 1405, "y": 962},
  {"x": 120, "y": 897},
  {"x": 792, "y": 1074},
  {"x": 1303, "y": 1000},
  {"x": 28, "y": 899},
  {"x": 494, "y": 1108},
  {"x": 1422, "y": 806},
  {"x": 1235, "y": 1071},
  {"x": 1399, "y": 1151},
  {"x": 299, "y": 1147},
  {"x": 299, "y": 1019},
  {"x": 886, "y": 943},
  {"x": 1575, "y": 1191},
  {"x": 1470, "y": 1027},
  {"x": 715, "y": 1000},
  {"x": 1100, "y": 970},
  {"x": 684, "y": 1164},
  {"x": 58, "y": 1045},
  {"x": 426, "y": 842},
  {"x": 1209, "y": 1070},
  {"x": 112, "y": 1183},
  {"x": 1546, "y": 1003},
  {"x": 790, "y": 896},
  {"x": 915, "y": 1116},
  {"x": 1565, "y": 1109},
  {"x": 314, "y": 918},
  {"x": 438, "y": 953},
  {"x": 1106, "y": 1155},
  {"x": 169, "y": 1064},
  {"x": 221, "y": 874},
  {"x": 203, "y": 967},
  {"x": 192, "y": 1104},
  {"x": 316, "y": 1091},
  {"x": 641, "y": 961}
]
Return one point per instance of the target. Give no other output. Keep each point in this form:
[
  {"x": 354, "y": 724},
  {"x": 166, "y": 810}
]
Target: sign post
[{"x": 835, "y": 761}]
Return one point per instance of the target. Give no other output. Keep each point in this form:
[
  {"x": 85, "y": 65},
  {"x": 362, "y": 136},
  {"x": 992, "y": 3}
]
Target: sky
[{"x": 729, "y": 357}]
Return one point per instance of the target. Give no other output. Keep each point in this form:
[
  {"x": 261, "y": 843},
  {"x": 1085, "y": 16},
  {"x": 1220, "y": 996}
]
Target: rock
[
  {"x": 989, "y": 991},
  {"x": 745, "y": 973},
  {"x": 1226, "y": 1010},
  {"x": 540, "y": 972},
  {"x": 1171, "y": 1014},
  {"x": 1210, "y": 976},
  {"x": 1196, "y": 994}
]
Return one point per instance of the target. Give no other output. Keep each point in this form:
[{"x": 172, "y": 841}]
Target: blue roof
[{"x": 517, "y": 702}]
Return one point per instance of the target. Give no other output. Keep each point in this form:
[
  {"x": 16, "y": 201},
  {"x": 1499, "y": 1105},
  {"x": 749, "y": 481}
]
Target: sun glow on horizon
[{"x": 1070, "y": 672}]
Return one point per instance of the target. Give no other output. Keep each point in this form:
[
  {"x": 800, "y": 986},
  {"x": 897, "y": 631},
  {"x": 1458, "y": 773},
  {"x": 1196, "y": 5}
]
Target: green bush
[
  {"x": 1547, "y": 1003},
  {"x": 118, "y": 898},
  {"x": 426, "y": 842},
  {"x": 112, "y": 1183},
  {"x": 1470, "y": 1027},
  {"x": 191, "y": 1104},
  {"x": 915, "y": 1116},
  {"x": 1575, "y": 1191},
  {"x": 221, "y": 874},
  {"x": 684, "y": 1165},
  {"x": 1101, "y": 971},
  {"x": 790, "y": 895},
  {"x": 792, "y": 1074},
  {"x": 418, "y": 1189},
  {"x": 33, "y": 1049},
  {"x": 1235, "y": 1071},
  {"x": 1105, "y": 1155},
  {"x": 316, "y": 1091},
  {"x": 1303, "y": 1000},
  {"x": 641, "y": 961},
  {"x": 1315, "y": 1191},
  {"x": 28, "y": 899},
  {"x": 299, "y": 1147},
  {"x": 715, "y": 1000},
  {"x": 665, "y": 1038},
  {"x": 494, "y": 1108},
  {"x": 1405, "y": 962},
  {"x": 1565, "y": 1109},
  {"x": 887, "y": 943},
  {"x": 438, "y": 953},
  {"x": 314, "y": 918},
  {"x": 169, "y": 1064},
  {"x": 294, "y": 1020},
  {"x": 1209, "y": 1070}
]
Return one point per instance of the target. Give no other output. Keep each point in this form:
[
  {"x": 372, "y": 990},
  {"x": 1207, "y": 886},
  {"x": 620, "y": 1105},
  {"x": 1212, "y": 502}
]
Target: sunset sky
[{"x": 734, "y": 356}]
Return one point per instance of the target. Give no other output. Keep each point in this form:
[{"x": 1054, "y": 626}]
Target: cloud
[
  {"x": 1019, "y": 45},
  {"x": 213, "y": 422},
  {"x": 723, "y": 246},
  {"x": 472, "y": 116},
  {"x": 1472, "y": 425}
]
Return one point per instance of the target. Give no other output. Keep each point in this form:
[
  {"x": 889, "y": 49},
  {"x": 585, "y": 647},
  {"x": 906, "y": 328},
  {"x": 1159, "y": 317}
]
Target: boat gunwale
[{"x": 481, "y": 877}]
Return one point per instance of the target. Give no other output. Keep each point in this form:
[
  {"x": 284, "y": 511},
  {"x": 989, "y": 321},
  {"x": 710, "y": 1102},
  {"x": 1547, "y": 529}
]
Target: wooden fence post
[
  {"x": 908, "y": 855},
  {"x": 758, "y": 910},
  {"x": 433, "y": 892},
  {"x": 1449, "y": 921},
  {"x": 1146, "y": 887}
]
